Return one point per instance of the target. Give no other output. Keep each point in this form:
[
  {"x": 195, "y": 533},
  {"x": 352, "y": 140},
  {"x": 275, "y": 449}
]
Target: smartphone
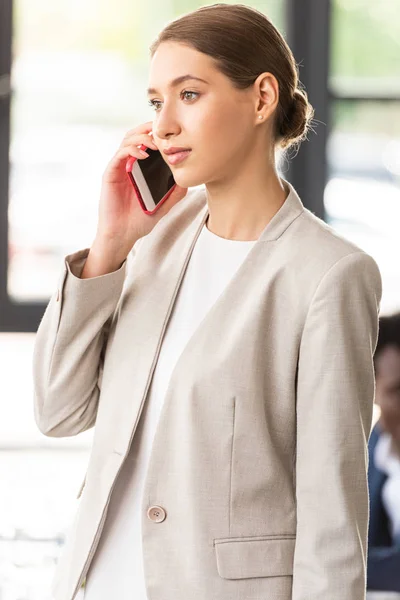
[{"x": 151, "y": 178}]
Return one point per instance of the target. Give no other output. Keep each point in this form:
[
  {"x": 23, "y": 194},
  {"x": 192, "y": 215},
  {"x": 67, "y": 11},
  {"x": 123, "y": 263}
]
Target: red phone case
[{"x": 128, "y": 167}]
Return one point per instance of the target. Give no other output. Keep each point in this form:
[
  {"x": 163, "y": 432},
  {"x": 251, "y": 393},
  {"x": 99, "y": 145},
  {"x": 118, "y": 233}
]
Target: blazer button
[{"x": 156, "y": 514}]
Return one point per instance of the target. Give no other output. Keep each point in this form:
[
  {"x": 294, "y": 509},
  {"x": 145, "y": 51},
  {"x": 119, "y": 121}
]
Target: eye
[
  {"x": 155, "y": 103},
  {"x": 188, "y": 92}
]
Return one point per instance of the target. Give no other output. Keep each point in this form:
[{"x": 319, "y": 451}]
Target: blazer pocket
[{"x": 261, "y": 556}]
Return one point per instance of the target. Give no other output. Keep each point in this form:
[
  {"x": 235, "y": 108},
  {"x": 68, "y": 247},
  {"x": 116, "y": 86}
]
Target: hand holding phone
[
  {"x": 152, "y": 179},
  {"x": 121, "y": 217}
]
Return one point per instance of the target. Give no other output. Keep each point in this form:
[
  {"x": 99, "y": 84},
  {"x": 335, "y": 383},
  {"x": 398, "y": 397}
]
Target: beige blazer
[{"x": 257, "y": 484}]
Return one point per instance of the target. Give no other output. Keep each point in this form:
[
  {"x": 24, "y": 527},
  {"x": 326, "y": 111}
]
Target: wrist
[{"x": 102, "y": 260}]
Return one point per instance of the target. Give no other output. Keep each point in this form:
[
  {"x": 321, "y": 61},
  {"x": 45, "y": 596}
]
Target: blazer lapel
[
  {"x": 152, "y": 282},
  {"x": 150, "y": 291}
]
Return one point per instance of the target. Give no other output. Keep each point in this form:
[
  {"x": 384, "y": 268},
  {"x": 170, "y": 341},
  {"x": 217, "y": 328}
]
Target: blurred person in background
[{"x": 384, "y": 463}]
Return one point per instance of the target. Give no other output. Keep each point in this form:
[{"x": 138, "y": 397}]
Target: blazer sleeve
[
  {"x": 69, "y": 348},
  {"x": 335, "y": 391}
]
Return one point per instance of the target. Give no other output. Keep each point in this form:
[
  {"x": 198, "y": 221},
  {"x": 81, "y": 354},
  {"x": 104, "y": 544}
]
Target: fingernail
[{"x": 143, "y": 153}]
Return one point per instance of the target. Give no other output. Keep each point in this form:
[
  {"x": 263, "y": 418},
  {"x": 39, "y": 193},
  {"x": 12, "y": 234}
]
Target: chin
[{"x": 187, "y": 180}]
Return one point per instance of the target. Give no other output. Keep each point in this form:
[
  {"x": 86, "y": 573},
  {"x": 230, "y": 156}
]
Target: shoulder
[
  {"x": 318, "y": 252},
  {"x": 316, "y": 236}
]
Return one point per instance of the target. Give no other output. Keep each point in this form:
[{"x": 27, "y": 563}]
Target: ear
[{"x": 266, "y": 89}]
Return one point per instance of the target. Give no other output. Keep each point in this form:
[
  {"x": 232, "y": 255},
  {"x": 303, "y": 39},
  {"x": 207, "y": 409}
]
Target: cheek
[{"x": 222, "y": 124}]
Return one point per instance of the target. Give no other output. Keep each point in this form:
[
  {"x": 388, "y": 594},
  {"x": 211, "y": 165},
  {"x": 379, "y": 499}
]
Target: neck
[{"x": 240, "y": 207}]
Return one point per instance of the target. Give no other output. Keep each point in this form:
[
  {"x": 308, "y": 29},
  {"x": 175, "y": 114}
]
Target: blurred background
[{"x": 73, "y": 76}]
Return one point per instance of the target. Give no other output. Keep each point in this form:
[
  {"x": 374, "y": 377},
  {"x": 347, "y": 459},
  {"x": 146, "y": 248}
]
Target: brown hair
[{"x": 244, "y": 43}]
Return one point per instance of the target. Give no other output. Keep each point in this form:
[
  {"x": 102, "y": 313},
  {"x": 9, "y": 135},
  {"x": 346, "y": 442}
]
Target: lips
[
  {"x": 177, "y": 157},
  {"x": 174, "y": 149}
]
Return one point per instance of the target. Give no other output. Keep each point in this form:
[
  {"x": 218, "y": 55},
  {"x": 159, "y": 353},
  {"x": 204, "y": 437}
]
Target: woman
[{"x": 228, "y": 368}]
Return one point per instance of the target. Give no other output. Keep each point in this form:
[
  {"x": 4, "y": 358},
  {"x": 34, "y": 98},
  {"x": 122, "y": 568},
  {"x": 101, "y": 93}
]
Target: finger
[
  {"x": 138, "y": 140},
  {"x": 115, "y": 171},
  {"x": 133, "y": 150},
  {"x": 122, "y": 155},
  {"x": 142, "y": 128}
]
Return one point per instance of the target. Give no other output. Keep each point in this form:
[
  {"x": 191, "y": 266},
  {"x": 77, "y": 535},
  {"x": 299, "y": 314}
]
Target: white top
[
  {"x": 388, "y": 461},
  {"x": 116, "y": 570}
]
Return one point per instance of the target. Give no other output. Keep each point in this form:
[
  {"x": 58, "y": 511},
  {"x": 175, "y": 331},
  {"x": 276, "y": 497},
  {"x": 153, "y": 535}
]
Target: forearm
[{"x": 68, "y": 346}]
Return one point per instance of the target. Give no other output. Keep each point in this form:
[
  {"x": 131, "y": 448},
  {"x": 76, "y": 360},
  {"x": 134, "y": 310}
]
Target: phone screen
[{"x": 156, "y": 174}]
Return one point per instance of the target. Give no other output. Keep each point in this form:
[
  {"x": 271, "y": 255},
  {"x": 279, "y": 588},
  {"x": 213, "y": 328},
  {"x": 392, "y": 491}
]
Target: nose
[{"x": 165, "y": 124}]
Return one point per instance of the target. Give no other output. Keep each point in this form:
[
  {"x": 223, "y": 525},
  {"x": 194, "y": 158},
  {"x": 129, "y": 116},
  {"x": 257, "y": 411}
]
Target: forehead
[{"x": 172, "y": 60}]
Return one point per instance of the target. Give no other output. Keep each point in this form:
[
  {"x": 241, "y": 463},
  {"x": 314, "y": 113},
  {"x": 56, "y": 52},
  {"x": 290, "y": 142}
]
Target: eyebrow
[{"x": 177, "y": 81}]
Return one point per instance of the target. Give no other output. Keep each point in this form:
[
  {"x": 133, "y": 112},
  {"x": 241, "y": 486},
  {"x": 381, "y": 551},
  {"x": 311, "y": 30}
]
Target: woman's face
[{"x": 211, "y": 117}]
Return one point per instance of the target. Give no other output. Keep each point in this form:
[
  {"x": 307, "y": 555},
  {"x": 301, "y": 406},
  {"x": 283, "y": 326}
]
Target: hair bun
[{"x": 295, "y": 125}]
